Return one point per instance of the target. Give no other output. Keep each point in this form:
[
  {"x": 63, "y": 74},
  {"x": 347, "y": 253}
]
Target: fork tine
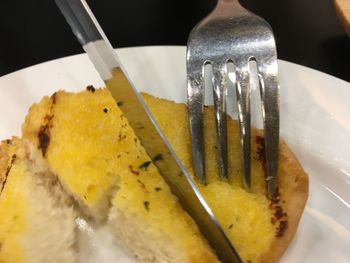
[
  {"x": 220, "y": 94},
  {"x": 270, "y": 111},
  {"x": 243, "y": 103},
  {"x": 195, "y": 93}
]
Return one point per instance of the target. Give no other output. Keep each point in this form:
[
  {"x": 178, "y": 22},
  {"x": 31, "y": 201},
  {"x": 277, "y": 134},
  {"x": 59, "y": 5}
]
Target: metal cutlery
[{"x": 232, "y": 34}]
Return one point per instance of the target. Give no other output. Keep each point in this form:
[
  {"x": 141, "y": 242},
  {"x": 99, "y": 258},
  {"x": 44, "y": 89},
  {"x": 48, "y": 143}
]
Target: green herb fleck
[
  {"x": 158, "y": 157},
  {"x": 146, "y": 205},
  {"x": 230, "y": 226},
  {"x": 145, "y": 165},
  {"x": 120, "y": 103},
  {"x": 249, "y": 261},
  {"x": 158, "y": 189}
]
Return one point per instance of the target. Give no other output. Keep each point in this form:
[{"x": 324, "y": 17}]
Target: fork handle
[
  {"x": 224, "y": 8},
  {"x": 234, "y": 2}
]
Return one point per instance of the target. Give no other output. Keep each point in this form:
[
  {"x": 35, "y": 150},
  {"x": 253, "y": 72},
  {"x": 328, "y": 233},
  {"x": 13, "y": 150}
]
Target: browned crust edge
[
  {"x": 295, "y": 198},
  {"x": 7, "y": 160},
  {"x": 4, "y": 162}
]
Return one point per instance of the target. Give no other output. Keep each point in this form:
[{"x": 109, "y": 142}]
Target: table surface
[{"x": 307, "y": 32}]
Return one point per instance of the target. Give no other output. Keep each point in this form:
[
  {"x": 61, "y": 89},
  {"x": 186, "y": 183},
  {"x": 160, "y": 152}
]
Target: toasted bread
[
  {"x": 36, "y": 215},
  {"x": 261, "y": 229},
  {"x": 90, "y": 146},
  {"x": 83, "y": 141}
]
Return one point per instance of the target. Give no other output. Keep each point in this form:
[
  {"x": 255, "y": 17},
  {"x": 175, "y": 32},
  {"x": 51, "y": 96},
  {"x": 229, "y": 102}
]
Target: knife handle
[{"x": 90, "y": 35}]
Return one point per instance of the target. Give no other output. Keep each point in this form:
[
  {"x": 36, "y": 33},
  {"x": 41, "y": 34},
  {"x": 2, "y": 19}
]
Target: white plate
[{"x": 315, "y": 122}]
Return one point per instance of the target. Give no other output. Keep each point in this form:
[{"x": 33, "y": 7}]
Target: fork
[{"x": 232, "y": 34}]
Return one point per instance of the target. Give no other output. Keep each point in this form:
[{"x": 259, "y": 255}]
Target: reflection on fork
[{"x": 232, "y": 34}]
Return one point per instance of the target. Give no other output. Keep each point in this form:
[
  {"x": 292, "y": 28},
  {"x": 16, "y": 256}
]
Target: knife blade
[{"x": 93, "y": 40}]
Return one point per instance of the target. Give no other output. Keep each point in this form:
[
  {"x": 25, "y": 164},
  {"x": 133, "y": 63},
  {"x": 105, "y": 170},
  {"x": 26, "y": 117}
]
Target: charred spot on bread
[
  {"x": 158, "y": 189},
  {"x": 282, "y": 227},
  {"x": 44, "y": 131},
  {"x": 121, "y": 136},
  {"x": 135, "y": 172},
  {"x": 279, "y": 213},
  {"x": 91, "y": 88},
  {"x": 280, "y": 217},
  {"x": 146, "y": 205},
  {"x": 53, "y": 98},
  {"x": 44, "y": 138},
  {"x": 143, "y": 186},
  {"x": 8, "y": 170}
]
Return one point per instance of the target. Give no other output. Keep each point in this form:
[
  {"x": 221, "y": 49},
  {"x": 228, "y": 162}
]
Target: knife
[{"x": 95, "y": 43}]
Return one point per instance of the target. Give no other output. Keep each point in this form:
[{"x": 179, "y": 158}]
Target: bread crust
[
  {"x": 294, "y": 194},
  {"x": 5, "y": 163}
]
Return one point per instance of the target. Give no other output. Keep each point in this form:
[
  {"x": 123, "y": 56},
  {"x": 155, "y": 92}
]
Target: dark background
[{"x": 307, "y": 32}]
